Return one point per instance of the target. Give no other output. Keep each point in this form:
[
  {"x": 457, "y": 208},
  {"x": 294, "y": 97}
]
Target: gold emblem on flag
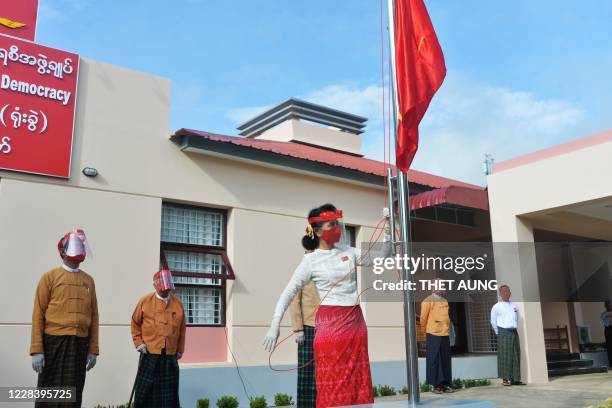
[
  {"x": 10, "y": 23},
  {"x": 421, "y": 42}
]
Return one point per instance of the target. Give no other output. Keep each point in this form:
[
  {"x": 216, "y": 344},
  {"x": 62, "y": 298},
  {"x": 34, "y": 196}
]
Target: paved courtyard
[{"x": 576, "y": 391}]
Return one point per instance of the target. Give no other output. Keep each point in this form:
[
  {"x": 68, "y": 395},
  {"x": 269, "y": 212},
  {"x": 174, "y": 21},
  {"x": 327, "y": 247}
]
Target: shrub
[
  {"x": 457, "y": 384},
  {"x": 425, "y": 387},
  {"x": 282, "y": 400},
  {"x": 375, "y": 392},
  {"x": 115, "y": 406},
  {"x": 469, "y": 383},
  {"x": 227, "y": 402},
  {"x": 258, "y": 402},
  {"x": 404, "y": 390},
  {"x": 386, "y": 390},
  {"x": 202, "y": 403}
]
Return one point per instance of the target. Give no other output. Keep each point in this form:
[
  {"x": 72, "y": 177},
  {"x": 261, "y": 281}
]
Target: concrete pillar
[{"x": 515, "y": 266}]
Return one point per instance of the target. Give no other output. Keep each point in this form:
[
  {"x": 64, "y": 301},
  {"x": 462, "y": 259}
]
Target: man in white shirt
[
  {"x": 504, "y": 320},
  {"x": 606, "y": 321}
]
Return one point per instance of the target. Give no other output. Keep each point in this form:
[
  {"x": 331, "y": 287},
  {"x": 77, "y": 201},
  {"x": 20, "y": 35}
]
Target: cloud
[
  {"x": 61, "y": 10},
  {"x": 240, "y": 115},
  {"x": 188, "y": 94},
  {"x": 364, "y": 101},
  {"x": 466, "y": 120}
]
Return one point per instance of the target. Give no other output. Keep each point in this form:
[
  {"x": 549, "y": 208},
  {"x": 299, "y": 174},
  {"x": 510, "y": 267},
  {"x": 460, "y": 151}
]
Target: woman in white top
[{"x": 342, "y": 366}]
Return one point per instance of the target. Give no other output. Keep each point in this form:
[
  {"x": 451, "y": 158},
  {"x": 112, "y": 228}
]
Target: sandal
[
  {"x": 437, "y": 390},
  {"x": 507, "y": 383},
  {"x": 448, "y": 390}
]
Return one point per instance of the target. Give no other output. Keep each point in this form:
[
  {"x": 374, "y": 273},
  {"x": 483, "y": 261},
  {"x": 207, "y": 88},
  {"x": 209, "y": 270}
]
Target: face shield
[
  {"x": 332, "y": 227},
  {"x": 162, "y": 280},
  {"x": 74, "y": 244}
]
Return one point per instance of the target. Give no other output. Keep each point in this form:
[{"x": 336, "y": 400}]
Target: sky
[{"x": 522, "y": 75}]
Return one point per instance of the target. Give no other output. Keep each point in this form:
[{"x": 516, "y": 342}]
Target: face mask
[
  {"x": 332, "y": 235},
  {"x": 76, "y": 259}
]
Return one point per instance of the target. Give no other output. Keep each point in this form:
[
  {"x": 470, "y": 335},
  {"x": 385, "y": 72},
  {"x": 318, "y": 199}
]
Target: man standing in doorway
[
  {"x": 158, "y": 332},
  {"x": 606, "y": 320},
  {"x": 435, "y": 322},
  {"x": 504, "y": 319},
  {"x": 64, "y": 342}
]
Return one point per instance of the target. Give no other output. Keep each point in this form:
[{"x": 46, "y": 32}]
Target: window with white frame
[{"x": 193, "y": 247}]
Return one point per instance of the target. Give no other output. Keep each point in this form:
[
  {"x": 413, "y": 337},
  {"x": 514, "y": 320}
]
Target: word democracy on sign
[{"x": 34, "y": 89}]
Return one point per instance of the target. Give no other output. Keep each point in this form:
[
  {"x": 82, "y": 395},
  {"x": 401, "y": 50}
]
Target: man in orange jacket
[
  {"x": 64, "y": 342},
  {"x": 158, "y": 332},
  {"x": 435, "y": 321}
]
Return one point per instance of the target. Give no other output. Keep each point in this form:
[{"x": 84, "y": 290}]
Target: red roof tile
[
  {"x": 466, "y": 197},
  {"x": 329, "y": 157}
]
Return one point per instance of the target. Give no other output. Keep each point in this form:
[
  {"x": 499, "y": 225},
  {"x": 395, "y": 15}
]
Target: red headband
[{"x": 326, "y": 216}]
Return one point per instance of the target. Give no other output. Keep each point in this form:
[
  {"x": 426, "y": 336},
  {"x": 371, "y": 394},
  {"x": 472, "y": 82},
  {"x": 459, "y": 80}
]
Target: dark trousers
[
  {"x": 438, "y": 360},
  {"x": 608, "y": 334}
]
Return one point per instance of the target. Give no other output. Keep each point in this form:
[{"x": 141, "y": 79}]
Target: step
[
  {"x": 557, "y": 372},
  {"x": 556, "y": 356},
  {"x": 569, "y": 363}
]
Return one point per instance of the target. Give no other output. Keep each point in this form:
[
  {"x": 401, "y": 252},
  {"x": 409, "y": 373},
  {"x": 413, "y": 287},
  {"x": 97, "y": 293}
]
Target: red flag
[{"x": 420, "y": 71}]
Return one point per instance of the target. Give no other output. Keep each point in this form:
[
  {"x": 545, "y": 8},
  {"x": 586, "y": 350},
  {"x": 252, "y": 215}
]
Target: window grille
[
  {"x": 186, "y": 225},
  {"x": 481, "y": 337},
  {"x": 193, "y": 248},
  {"x": 202, "y": 305}
]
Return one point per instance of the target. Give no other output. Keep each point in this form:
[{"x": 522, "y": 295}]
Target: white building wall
[{"x": 517, "y": 197}]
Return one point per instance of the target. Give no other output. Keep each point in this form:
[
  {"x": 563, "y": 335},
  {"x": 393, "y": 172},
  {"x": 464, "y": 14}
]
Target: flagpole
[{"x": 412, "y": 362}]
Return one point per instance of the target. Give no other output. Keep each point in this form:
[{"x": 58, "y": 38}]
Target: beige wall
[
  {"x": 125, "y": 246},
  {"x": 518, "y": 197},
  {"x": 122, "y": 131}
]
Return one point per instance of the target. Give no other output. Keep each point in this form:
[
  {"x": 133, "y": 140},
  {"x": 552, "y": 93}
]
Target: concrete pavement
[{"x": 577, "y": 391}]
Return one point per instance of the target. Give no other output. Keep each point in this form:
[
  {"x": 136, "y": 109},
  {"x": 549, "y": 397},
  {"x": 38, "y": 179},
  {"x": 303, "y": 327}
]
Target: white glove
[
  {"x": 272, "y": 335},
  {"x": 299, "y": 337},
  {"x": 179, "y": 355},
  {"x": 38, "y": 362},
  {"x": 142, "y": 349},
  {"x": 91, "y": 361}
]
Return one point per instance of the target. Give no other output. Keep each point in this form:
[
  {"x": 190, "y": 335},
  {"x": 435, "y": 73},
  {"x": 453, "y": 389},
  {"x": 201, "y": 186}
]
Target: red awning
[{"x": 465, "y": 197}]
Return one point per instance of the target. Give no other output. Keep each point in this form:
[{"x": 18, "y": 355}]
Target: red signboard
[
  {"x": 18, "y": 18},
  {"x": 37, "y": 102}
]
